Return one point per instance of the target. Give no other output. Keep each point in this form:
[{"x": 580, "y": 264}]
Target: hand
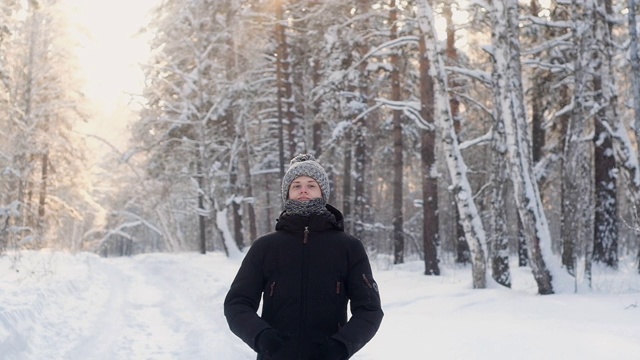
[
  {"x": 270, "y": 341},
  {"x": 331, "y": 349}
]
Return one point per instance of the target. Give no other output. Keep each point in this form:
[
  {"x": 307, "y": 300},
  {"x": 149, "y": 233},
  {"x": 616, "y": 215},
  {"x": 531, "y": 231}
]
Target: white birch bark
[
  {"x": 509, "y": 99},
  {"x": 460, "y": 187}
]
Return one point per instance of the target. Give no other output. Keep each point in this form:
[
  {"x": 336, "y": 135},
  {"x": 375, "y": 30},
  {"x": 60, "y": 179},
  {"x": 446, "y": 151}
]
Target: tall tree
[
  {"x": 605, "y": 246},
  {"x": 430, "y": 220},
  {"x": 285, "y": 101},
  {"x": 45, "y": 174},
  {"x": 398, "y": 148},
  {"x": 188, "y": 127},
  {"x": 462, "y": 248},
  {"x": 473, "y": 229},
  {"x": 509, "y": 102},
  {"x": 498, "y": 215},
  {"x": 634, "y": 61}
]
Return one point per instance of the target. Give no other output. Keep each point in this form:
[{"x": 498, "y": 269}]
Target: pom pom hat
[{"x": 305, "y": 165}]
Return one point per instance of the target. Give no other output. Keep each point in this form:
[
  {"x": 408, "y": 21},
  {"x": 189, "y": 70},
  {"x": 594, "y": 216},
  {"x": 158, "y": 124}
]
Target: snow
[{"x": 55, "y": 305}]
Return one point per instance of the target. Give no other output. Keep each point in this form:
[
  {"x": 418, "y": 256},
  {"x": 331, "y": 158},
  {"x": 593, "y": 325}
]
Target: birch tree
[
  {"x": 509, "y": 102},
  {"x": 473, "y": 229}
]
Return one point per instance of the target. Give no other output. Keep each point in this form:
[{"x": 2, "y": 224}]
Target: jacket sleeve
[
  {"x": 243, "y": 299},
  {"x": 364, "y": 297}
]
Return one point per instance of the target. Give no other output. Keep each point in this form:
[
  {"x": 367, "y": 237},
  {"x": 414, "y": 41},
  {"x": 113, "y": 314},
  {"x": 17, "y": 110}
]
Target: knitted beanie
[{"x": 305, "y": 165}]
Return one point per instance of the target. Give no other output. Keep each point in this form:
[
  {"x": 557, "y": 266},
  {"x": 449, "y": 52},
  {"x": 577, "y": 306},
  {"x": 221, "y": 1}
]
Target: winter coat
[{"x": 306, "y": 272}]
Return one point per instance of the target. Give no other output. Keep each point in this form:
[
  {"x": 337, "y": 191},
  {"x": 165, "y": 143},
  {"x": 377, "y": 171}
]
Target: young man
[{"x": 306, "y": 272}]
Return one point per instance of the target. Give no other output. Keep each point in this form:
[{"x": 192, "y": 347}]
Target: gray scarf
[{"x": 316, "y": 206}]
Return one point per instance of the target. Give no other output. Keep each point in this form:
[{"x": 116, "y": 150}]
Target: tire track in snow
[{"x": 159, "y": 307}]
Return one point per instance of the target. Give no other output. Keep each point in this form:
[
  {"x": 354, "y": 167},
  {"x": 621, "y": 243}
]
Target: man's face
[{"x": 304, "y": 188}]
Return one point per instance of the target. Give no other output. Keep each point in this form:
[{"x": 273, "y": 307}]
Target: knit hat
[{"x": 305, "y": 165}]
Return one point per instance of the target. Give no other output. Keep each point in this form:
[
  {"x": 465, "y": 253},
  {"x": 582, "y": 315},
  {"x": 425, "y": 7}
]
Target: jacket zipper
[
  {"x": 305, "y": 275},
  {"x": 272, "y": 288}
]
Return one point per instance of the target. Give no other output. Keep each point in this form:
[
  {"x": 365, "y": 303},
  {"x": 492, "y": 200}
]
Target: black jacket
[{"x": 306, "y": 272}]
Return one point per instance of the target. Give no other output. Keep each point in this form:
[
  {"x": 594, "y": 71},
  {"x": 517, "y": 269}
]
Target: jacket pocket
[
  {"x": 340, "y": 300},
  {"x": 339, "y": 285},
  {"x": 369, "y": 282},
  {"x": 269, "y": 291},
  {"x": 372, "y": 293}
]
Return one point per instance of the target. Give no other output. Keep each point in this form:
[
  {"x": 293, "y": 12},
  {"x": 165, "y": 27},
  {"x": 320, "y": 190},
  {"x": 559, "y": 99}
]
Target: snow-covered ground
[{"x": 169, "y": 306}]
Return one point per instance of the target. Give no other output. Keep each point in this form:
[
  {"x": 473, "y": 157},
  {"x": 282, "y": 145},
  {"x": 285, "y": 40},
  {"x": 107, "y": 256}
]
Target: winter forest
[{"x": 454, "y": 131}]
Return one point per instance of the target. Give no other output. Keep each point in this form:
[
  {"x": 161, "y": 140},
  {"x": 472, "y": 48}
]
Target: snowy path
[
  {"x": 56, "y": 306},
  {"x": 122, "y": 309}
]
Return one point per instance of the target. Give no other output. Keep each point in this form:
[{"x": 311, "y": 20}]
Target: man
[{"x": 306, "y": 272}]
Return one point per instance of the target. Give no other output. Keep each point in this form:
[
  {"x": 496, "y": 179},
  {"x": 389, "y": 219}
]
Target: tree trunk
[
  {"x": 460, "y": 187},
  {"x": 499, "y": 233},
  {"x": 462, "y": 248},
  {"x": 281, "y": 78},
  {"x": 201, "y": 211},
  {"x": 523, "y": 254},
  {"x": 360, "y": 197},
  {"x": 634, "y": 61},
  {"x": 430, "y": 221},
  {"x": 509, "y": 99},
  {"x": 44, "y": 174},
  {"x": 234, "y": 194},
  {"x": 576, "y": 193},
  {"x": 360, "y": 132},
  {"x": 284, "y": 81},
  {"x": 398, "y": 220},
  {"x": 346, "y": 178},
  {"x": 249, "y": 200},
  {"x": 605, "y": 242}
]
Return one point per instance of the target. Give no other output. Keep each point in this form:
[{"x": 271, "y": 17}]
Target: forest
[{"x": 479, "y": 132}]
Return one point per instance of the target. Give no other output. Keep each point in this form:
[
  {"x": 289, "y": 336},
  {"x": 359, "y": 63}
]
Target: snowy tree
[
  {"x": 474, "y": 231},
  {"x": 605, "y": 248},
  {"x": 634, "y": 60},
  {"x": 430, "y": 222},
  {"x": 188, "y": 128},
  {"x": 398, "y": 147},
  {"x": 43, "y": 174},
  {"x": 509, "y": 102}
]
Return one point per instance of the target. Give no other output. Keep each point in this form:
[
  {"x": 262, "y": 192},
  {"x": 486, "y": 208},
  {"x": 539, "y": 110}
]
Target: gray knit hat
[{"x": 305, "y": 165}]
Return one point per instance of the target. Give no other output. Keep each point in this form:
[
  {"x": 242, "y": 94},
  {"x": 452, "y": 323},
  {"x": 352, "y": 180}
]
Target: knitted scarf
[{"x": 316, "y": 206}]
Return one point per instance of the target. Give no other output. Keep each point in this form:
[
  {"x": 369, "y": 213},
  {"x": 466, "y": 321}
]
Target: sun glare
[{"x": 110, "y": 53}]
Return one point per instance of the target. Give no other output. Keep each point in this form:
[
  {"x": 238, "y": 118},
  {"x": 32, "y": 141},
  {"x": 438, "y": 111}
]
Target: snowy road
[
  {"x": 56, "y": 306},
  {"x": 157, "y": 307}
]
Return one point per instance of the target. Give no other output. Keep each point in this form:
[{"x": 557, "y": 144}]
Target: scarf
[{"x": 305, "y": 208}]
